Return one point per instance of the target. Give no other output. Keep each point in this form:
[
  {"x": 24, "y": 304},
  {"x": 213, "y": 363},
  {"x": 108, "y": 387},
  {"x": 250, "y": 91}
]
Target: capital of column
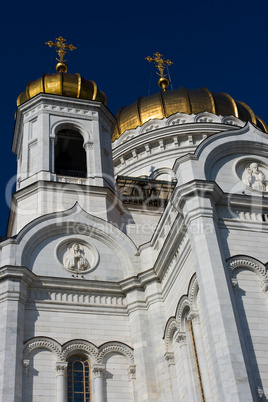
[
  {"x": 194, "y": 317},
  {"x": 26, "y": 363},
  {"x": 169, "y": 356},
  {"x": 234, "y": 282},
  {"x": 60, "y": 368},
  {"x": 132, "y": 371},
  {"x": 88, "y": 145},
  {"x": 264, "y": 286},
  {"x": 98, "y": 369},
  {"x": 180, "y": 337}
]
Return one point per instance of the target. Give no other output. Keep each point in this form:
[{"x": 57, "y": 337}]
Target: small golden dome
[
  {"x": 165, "y": 104},
  {"x": 71, "y": 85}
]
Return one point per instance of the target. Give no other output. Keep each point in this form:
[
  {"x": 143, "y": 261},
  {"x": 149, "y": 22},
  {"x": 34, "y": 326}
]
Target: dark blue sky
[{"x": 221, "y": 45}]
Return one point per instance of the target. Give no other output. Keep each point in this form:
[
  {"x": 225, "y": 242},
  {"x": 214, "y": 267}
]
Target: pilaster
[
  {"x": 196, "y": 201},
  {"x": 14, "y": 282}
]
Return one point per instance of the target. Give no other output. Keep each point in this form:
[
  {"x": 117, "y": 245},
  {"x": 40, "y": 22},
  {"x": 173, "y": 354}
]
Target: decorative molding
[
  {"x": 81, "y": 298},
  {"x": 175, "y": 120}
]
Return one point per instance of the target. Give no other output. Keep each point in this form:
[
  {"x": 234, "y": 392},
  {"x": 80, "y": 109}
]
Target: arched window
[
  {"x": 78, "y": 372},
  {"x": 70, "y": 156}
]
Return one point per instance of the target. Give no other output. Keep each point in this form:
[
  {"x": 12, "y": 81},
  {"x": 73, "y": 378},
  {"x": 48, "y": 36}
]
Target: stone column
[
  {"x": 169, "y": 356},
  {"x": 145, "y": 384},
  {"x": 194, "y": 318},
  {"x": 52, "y": 154},
  {"x": 61, "y": 368},
  {"x": 97, "y": 370},
  {"x": 180, "y": 337},
  {"x": 89, "y": 158}
]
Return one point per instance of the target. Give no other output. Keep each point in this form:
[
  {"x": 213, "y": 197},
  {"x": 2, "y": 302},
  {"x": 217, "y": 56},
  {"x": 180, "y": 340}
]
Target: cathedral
[{"x": 134, "y": 265}]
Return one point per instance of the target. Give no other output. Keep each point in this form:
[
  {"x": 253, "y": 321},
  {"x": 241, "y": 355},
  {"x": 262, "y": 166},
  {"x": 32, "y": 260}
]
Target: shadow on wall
[{"x": 253, "y": 318}]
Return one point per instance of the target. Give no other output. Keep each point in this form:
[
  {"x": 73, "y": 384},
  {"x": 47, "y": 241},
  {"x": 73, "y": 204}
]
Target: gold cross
[
  {"x": 61, "y": 46},
  {"x": 161, "y": 65}
]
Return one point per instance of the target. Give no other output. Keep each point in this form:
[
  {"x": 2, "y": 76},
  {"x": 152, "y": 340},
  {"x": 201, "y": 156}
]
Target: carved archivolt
[
  {"x": 185, "y": 309},
  {"x": 253, "y": 265},
  {"x": 80, "y": 346},
  {"x": 116, "y": 347},
  {"x": 63, "y": 352},
  {"x": 42, "y": 343},
  {"x": 247, "y": 263}
]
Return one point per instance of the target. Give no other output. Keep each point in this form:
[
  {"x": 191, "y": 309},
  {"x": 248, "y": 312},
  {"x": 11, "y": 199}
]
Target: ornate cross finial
[
  {"x": 161, "y": 64},
  {"x": 61, "y": 47}
]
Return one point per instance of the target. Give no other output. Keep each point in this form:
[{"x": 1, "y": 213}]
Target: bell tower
[{"x": 62, "y": 140}]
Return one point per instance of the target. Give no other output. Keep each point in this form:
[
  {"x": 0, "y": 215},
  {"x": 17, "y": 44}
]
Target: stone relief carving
[
  {"x": 76, "y": 260},
  {"x": 77, "y": 256},
  {"x": 254, "y": 177}
]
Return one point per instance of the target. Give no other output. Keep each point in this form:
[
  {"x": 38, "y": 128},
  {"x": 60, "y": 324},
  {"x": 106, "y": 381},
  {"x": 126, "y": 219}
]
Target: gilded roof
[
  {"x": 71, "y": 85},
  {"x": 189, "y": 101}
]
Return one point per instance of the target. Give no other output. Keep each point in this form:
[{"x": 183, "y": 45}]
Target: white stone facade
[{"x": 166, "y": 303}]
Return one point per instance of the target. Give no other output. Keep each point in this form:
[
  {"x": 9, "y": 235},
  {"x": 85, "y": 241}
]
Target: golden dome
[
  {"x": 165, "y": 104},
  {"x": 71, "y": 85}
]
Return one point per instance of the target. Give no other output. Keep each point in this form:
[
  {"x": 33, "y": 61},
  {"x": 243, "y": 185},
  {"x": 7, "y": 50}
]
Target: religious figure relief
[
  {"x": 75, "y": 260},
  {"x": 253, "y": 177}
]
